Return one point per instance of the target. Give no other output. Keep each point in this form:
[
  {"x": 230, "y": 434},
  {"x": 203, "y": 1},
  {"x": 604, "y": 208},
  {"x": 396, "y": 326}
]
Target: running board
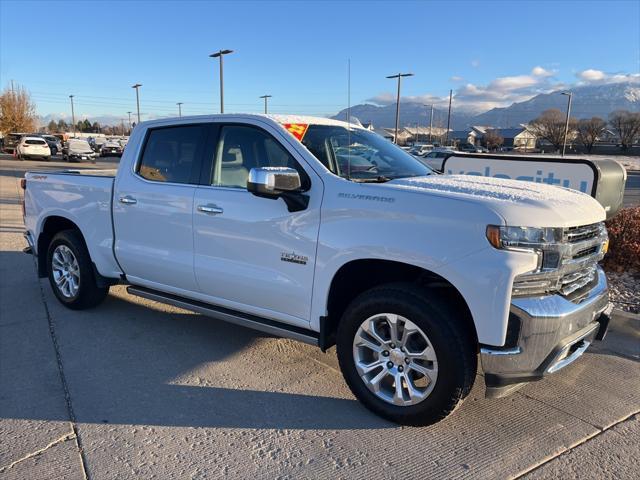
[{"x": 265, "y": 325}]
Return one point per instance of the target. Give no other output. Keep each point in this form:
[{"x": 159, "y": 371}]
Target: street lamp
[
  {"x": 220, "y": 54},
  {"x": 73, "y": 116},
  {"x": 449, "y": 117},
  {"x": 179, "y": 109},
  {"x": 430, "y": 121},
  {"x": 566, "y": 125},
  {"x": 265, "y": 102},
  {"x": 137, "y": 86},
  {"x": 399, "y": 77}
]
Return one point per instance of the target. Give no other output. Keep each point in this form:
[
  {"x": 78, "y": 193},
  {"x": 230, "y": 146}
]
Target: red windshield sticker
[{"x": 296, "y": 129}]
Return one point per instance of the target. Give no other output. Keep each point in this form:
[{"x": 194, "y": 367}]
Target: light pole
[
  {"x": 265, "y": 102},
  {"x": 399, "y": 77},
  {"x": 129, "y": 113},
  {"x": 137, "y": 86},
  {"x": 430, "y": 121},
  {"x": 449, "y": 117},
  {"x": 566, "y": 125},
  {"x": 220, "y": 54},
  {"x": 73, "y": 116},
  {"x": 179, "y": 109}
]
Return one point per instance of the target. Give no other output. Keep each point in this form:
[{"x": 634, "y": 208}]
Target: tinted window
[
  {"x": 242, "y": 148},
  {"x": 172, "y": 154},
  {"x": 359, "y": 155},
  {"x": 35, "y": 142}
]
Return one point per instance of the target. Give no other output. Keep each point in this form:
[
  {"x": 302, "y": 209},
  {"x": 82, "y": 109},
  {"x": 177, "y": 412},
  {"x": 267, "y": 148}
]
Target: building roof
[
  {"x": 464, "y": 134},
  {"x": 510, "y": 132}
]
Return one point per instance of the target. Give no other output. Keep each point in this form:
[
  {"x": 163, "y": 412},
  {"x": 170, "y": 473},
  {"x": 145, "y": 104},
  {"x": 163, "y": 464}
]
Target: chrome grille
[
  {"x": 583, "y": 252},
  {"x": 585, "y": 232}
]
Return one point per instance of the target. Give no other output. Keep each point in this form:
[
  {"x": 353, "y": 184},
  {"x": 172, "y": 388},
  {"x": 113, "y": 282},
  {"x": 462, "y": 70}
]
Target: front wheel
[
  {"x": 71, "y": 272},
  {"x": 404, "y": 355}
]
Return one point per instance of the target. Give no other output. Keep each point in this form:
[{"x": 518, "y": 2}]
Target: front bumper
[
  {"x": 546, "y": 334},
  {"x": 81, "y": 156}
]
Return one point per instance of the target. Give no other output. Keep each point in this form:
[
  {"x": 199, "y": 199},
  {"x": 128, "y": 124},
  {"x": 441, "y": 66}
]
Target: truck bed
[{"x": 81, "y": 196}]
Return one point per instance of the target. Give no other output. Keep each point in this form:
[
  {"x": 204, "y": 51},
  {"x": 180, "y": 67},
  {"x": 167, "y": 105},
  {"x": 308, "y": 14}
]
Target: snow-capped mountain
[{"x": 588, "y": 101}]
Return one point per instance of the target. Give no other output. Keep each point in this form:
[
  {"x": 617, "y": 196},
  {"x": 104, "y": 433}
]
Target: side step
[{"x": 266, "y": 325}]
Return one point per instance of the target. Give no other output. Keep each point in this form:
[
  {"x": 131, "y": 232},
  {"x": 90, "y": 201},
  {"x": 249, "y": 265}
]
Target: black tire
[
  {"x": 89, "y": 294},
  {"x": 455, "y": 350}
]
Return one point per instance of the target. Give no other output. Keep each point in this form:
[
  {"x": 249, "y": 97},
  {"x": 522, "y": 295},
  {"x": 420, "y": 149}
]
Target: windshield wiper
[{"x": 378, "y": 179}]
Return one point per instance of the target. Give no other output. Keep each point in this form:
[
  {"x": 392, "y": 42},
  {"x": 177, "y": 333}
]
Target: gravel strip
[{"x": 624, "y": 290}]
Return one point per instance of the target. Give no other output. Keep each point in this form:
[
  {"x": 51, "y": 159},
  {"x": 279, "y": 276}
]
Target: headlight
[
  {"x": 562, "y": 254},
  {"x": 545, "y": 242},
  {"x": 522, "y": 237}
]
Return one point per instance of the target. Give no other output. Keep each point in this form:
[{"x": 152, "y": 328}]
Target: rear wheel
[
  {"x": 404, "y": 354},
  {"x": 71, "y": 272}
]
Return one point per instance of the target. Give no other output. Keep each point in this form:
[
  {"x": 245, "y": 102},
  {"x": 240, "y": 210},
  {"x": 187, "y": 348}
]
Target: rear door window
[{"x": 173, "y": 154}]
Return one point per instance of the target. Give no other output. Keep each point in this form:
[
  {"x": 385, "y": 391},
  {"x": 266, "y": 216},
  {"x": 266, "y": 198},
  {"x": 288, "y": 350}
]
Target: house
[
  {"x": 424, "y": 134},
  {"x": 464, "y": 136},
  {"x": 517, "y": 138},
  {"x": 404, "y": 137}
]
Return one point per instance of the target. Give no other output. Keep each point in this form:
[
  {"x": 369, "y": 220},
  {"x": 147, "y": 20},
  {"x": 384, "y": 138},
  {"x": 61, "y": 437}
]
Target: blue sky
[{"x": 489, "y": 53}]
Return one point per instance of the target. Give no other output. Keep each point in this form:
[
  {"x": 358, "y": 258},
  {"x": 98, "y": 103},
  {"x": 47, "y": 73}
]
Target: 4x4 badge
[{"x": 293, "y": 258}]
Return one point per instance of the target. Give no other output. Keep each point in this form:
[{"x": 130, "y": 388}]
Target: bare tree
[
  {"x": 627, "y": 125},
  {"x": 17, "y": 111},
  {"x": 589, "y": 130},
  {"x": 550, "y": 126},
  {"x": 492, "y": 139}
]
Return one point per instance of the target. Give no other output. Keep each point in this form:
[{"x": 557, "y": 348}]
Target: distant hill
[
  {"x": 410, "y": 114},
  {"x": 588, "y": 101}
]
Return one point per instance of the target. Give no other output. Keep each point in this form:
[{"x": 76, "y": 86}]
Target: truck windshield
[{"x": 359, "y": 155}]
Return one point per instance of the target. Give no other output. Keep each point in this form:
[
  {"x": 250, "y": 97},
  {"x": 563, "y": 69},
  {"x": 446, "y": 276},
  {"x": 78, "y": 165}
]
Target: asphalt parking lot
[{"x": 139, "y": 389}]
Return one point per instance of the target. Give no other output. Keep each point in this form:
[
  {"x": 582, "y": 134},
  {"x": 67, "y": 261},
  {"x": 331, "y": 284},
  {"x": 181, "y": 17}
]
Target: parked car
[
  {"x": 251, "y": 220},
  {"x": 112, "y": 147},
  {"x": 78, "y": 150},
  {"x": 54, "y": 144},
  {"x": 435, "y": 158},
  {"x": 11, "y": 141},
  {"x": 471, "y": 148},
  {"x": 97, "y": 143},
  {"x": 420, "y": 150},
  {"x": 33, "y": 147}
]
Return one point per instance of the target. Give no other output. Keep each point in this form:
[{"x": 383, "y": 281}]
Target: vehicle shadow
[{"x": 135, "y": 362}]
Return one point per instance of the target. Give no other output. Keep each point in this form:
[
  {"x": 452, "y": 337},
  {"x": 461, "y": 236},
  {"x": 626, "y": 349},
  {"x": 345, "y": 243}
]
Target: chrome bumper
[{"x": 551, "y": 332}]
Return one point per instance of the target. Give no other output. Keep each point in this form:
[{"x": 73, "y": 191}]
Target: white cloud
[
  {"x": 598, "y": 76},
  {"x": 538, "y": 71},
  {"x": 455, "y": 78},
  {"x": 513, "y": 83},
  {"x": 475, "y": 63},
  {"x": 591, "y": 75},
  {"x": 503, "y": 91}
]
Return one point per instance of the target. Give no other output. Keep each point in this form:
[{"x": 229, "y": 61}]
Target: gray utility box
[{"x": 603, "y": 179}]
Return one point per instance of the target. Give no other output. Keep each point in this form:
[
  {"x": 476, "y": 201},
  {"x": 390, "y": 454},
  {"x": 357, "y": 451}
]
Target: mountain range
[{"x": 587, "y": 101}]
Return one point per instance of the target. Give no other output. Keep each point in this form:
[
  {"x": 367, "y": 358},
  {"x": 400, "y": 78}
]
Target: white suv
[{"x": 32, "y": 147}]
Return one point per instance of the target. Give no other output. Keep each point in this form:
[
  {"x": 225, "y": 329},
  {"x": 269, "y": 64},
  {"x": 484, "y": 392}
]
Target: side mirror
[
  {"x": 278, "y": 182},
  {"x": 273, "y": 180}
]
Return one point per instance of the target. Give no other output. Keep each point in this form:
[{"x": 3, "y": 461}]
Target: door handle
[
  {"x": 128, "y": 200},
  {"x": 210, "y": 209}
]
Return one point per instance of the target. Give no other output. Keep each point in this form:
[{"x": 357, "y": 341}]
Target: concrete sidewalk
[{"x": 138, "y": 389}]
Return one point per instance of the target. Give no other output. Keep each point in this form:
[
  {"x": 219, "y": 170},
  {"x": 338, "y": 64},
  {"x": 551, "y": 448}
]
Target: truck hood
[{"x": 517, "y": 202}]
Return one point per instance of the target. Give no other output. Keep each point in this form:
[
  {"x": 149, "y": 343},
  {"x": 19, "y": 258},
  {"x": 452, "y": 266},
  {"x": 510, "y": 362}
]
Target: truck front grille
[{"x": 583, "y": 252}]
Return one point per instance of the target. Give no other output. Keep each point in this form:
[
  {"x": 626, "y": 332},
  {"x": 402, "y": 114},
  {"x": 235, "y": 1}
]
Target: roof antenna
[{"x": 349, "y": 119}]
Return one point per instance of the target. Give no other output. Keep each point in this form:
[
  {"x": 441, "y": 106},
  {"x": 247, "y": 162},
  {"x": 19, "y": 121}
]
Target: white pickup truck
[{"x": 324, "y": 232}]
